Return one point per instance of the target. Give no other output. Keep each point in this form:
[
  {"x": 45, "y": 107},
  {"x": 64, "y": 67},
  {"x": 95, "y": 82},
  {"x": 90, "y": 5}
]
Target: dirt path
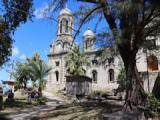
[{"x": 35, "y": 112}]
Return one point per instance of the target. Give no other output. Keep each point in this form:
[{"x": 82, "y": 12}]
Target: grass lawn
[
  {"x": 88, "y": 110},
  {"x": 81, "y": 111},
  {"x": 19, "y": 103}
]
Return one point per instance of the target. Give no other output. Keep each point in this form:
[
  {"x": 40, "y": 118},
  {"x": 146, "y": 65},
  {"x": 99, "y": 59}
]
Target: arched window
[
  {"x": 66, "y": 26},
  {"x": 57, "y": 76},
  {"x": 61, "y": 23},
  {"x": 152, "y": 62},
  {"x": 111, "y": 75},
  {"x": 87, "y": 44},
  {"x": 66, "y": 46},
  {"x": 94, "y": 75}
]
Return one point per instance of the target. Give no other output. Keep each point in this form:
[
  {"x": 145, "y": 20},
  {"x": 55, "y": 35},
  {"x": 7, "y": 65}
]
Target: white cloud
[
  {"x": 23, "y": 57},
  {"x": 15, "y": 52},
  {"x": 43, "y": 11}
]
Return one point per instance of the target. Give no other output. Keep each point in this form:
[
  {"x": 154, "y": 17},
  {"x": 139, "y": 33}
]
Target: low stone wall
[
  {"x": 54, "y": 87},
  {"x": 107, "y": 87},
  {"x": 78, "y": 85}
]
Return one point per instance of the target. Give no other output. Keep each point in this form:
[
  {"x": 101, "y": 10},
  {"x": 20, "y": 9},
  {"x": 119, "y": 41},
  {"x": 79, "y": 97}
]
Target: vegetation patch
[{"x": 41, "y": 101}]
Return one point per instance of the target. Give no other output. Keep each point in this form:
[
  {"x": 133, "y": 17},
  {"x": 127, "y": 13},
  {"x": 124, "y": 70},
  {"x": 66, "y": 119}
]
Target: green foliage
[
  {"x": 100, "y": 93},
  {"x": 152, "y": 108},
  {"x": 21, "y": 74},
  {"x": 38, "y": 70},
  {"x": 5, "y": 42},
  {"x": 14, "y": 12},
  {"x": 153, "y": 102},
  {"x": 34, "y": 69},
  {"x": 122, "y": 81},
  {"x": 75, "y": 61},
  {"x": 41, "y": 101},
  {"x": 17, "y": 11}
]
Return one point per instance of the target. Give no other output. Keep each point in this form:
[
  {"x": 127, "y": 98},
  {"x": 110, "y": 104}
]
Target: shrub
[
  {"x": 152, "y": 107},
  {"x": 122, "y": 81},
  {"x": 153, "y": 102},
  {"x": 41, "y": 101},
  {"x": 100, "y": 93}
]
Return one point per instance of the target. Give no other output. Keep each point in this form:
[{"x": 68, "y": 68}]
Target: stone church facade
[{"x": 104, "y": 76}]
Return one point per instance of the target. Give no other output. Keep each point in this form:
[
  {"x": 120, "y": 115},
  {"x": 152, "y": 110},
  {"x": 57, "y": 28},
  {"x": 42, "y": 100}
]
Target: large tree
[
  {"x": 12, "y": 14},
  {"x": 130, "y": 23}
]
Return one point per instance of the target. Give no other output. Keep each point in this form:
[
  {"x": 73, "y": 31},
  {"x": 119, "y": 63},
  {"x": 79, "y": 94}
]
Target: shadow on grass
[
  {"x": 3, "y": 118},
  {"x": 13, "y": 107},
  {"x": 17, "y": 104},
  {"x": 19, "y": 107},
  {"x": 81, "y": 111}
]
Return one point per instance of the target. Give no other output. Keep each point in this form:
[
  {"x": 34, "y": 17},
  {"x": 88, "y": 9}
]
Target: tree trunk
[
  {"x": 135, "y": 94},
  {"x": 156, "y": 87},
  {"x": 25, "y": 85},
  {"x": 40, "y": 92}
]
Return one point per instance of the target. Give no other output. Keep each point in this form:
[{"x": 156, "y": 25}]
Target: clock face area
[{"x": 59, "y": 47}]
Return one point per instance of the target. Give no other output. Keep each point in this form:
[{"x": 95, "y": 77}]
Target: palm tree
[
  {"x": 38, "y": 70},
  {"x": 75, "y": 62},
  {"x": 33, "y": 69}
]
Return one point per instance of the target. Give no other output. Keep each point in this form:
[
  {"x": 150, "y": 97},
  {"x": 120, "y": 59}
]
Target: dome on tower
[
  {"x": 88, "y": 33},
  {"x": 65, "y": 11}
]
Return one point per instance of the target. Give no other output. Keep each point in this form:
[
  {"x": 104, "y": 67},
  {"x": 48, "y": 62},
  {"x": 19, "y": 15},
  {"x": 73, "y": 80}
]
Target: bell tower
[
  {"x": 88, "y": 40},
  {"x": 64, "y": 37},
  {"x": 65, "y": 31},
  {"x": 65, "y": 22}
]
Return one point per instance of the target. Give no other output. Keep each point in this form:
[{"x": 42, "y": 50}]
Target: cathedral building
[{"x": 104, "y": 76}]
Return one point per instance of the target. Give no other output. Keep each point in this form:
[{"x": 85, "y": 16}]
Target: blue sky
[{"x": 37, "y": 35}]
